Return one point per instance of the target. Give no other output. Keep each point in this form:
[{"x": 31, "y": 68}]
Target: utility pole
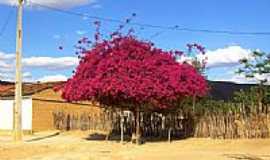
[{"x": 18, "y": 82}]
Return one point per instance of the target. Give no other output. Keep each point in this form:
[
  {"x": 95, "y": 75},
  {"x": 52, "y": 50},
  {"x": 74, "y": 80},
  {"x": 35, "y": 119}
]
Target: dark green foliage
[{"x": 255, "y": 66}]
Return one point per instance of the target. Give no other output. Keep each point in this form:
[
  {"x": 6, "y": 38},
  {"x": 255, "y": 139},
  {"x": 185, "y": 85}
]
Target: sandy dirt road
[{"x": 75, "y": 146}]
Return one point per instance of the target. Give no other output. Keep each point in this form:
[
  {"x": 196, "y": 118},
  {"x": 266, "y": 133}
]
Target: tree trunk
[
  {"x": 122, "y": 126},
  {"x": 170, "y": 128},
  {"x": 194, "y": 103},
  {"x": 133, "y": 127},
  {"x": 138, "y": 131},
  {"x": 169, "y": 134}
]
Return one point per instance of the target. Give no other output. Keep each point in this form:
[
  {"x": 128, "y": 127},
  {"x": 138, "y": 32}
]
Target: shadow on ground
[
  {"x": 103, "y": 137},
  {"x": 44, "y": 137},
  {"x": 247, "y": 157},
  {"x": 127, "y": 138}
]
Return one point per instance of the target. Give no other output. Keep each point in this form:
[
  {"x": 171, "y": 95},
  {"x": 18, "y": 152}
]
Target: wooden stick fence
[{"x": 180, "y": 125}]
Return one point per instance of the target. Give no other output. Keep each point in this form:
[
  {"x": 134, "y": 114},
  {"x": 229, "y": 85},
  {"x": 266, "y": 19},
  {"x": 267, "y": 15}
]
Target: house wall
[
  {"x": 47, "y": 102},
  {"x": 6, "y": 114}
]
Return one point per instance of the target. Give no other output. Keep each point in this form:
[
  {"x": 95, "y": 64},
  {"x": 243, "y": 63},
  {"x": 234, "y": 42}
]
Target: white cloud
[
  {"x": 27, "y": 75},
  {"x": 51, "y": 63},
  {"x": 46, "y": 64},
  {"x": 56, "y": 36},
  {"x": 2, "y": 76},
  {"x": 6, "y": 61},
  {"x": 222, "y": 57},
  {"x": 5, "y": 56},
  {"x": 52, "y": 3},
  {"x": 53, "y": 78},
  {"x": 81, "y": 32},
  {"x": 226, "y": 56},
  {"x": 97, "y": 6},
  {"x": 241, "y": 79},
  {"x": 4, "y": 65},
  {"x": 229, "y": 57},
  {"x": 10, "y": 76}
]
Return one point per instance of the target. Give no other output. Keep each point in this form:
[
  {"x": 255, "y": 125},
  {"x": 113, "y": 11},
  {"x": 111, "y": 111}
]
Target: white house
[{"x": 6, "y": 114}]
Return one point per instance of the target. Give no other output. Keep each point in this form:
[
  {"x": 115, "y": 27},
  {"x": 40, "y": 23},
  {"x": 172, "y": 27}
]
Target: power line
[
  {"x": 173, "y": 28},
  {"x": 160, "y": 33},
  {"x": 6, "y": 22}
]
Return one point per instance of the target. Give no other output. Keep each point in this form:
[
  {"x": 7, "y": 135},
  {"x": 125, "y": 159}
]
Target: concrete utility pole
[{"x": 18, "y": 83}]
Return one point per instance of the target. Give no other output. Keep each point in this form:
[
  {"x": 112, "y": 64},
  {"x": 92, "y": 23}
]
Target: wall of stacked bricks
[{"x": 48, "y": 103}]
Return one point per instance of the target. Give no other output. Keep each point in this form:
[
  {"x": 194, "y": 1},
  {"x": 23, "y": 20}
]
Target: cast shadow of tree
[{"x": 247, "y": 157}]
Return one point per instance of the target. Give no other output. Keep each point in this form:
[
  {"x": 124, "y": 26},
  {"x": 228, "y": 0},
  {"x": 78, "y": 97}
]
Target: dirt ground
[{"x": 76, "y": 146}]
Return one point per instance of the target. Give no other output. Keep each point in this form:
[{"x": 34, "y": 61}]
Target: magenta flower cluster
[{"x": 127, "y": 70}]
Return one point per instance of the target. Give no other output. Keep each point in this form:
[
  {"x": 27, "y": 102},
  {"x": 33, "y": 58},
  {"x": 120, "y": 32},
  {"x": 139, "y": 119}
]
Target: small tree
[
  {"x": 197, "y": 53},
  {"x": 257, "y": 67},
  {"x": 198, "y": 60}
]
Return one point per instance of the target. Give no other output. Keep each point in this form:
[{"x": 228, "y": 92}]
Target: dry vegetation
[{"x": 75, "y": 146}]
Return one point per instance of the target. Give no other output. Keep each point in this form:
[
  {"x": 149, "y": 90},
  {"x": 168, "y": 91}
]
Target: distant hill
[
  {"x": 225, "y": 90},
  {"x": 5, "y": 83},
  {"x": 219, "y": 90}
]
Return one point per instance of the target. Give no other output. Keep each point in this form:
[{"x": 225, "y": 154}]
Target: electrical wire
[{"x": 173, "y": 28}]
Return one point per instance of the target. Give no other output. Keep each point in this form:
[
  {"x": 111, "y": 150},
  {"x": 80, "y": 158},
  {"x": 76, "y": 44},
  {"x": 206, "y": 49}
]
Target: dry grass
[{"x": 74, "y": 146}]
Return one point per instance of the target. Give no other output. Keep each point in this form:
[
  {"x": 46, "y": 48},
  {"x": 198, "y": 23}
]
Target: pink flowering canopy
[{"x": 125, "y": 71}]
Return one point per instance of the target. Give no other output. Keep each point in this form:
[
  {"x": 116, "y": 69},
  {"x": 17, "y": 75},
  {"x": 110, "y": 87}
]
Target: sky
[{"x": 45, "y": 30}]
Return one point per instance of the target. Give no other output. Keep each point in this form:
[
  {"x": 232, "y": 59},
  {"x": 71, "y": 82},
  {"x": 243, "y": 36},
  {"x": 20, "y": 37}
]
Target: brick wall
[{"x": 47, "y": 102}]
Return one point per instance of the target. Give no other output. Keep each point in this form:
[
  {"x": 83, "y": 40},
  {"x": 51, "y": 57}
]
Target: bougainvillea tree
[{"x": 129, "y": 73}]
